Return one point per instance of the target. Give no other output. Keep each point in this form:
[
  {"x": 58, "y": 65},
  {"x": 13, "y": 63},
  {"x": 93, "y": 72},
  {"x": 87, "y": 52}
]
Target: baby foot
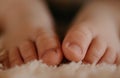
[
  {"x": 94, "y": 36},
  {"x": 29, "y": 33}
]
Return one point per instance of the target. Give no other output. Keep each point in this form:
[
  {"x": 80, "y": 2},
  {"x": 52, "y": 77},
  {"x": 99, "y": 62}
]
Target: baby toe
[
  {"x": 48, "y": 47},
  {"x": 14, "y": 57},
  {"x": 96, "y": 51},
  {"x": 76, "y": 43},
  {"x": 109, "y": 56},
  {"x": 27, "y": 51}
]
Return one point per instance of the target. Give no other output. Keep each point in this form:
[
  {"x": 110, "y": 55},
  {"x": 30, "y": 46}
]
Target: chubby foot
[
  {"x": 29, "y": 33},
  {"x": 94, "y": 35}
]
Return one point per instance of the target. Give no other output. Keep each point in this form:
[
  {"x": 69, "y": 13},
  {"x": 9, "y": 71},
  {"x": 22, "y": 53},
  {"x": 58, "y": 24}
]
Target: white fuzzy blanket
[{"x": 37, "y": 69}]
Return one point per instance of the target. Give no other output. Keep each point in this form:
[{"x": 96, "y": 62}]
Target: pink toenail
[
  {"x": 74, "y": 48},
  {"x": 51, "y": 57}
]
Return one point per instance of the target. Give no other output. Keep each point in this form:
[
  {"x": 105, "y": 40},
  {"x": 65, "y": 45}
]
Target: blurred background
[{"x": 64, "y": 12}]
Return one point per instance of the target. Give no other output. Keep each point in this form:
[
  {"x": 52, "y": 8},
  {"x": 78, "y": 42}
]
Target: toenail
[
  {"x": 74, "y": 48},
  {"x": 51, "y": 57},
  {"x": 49, "y": 51}
]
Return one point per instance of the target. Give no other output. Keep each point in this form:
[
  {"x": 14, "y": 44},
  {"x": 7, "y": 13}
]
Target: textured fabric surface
[{"x": 37, "y": 69}]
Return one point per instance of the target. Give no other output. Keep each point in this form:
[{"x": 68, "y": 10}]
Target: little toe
[
  {"x": 27, "y": 51},
  {"x": 14, "y": 57},
  {"x": 48, "y": 47},
  {"x": 76, "y": 43},
  {"x": 96, "y": 51}
]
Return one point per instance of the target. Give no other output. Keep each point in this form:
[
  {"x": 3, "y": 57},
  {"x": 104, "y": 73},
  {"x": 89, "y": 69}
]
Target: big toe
[
  {"x": 48, "y": 47},
  {"x": 76, "y": 43}
]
